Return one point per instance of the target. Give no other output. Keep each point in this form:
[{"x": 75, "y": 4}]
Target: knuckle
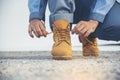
[
  {"x": 37, "y": 36},
  {"x": 90, "y": 31},
  {"x": 29, "y": 31},
  {"x": 81, "y": 21},
  {"x": 38, "y": 31},
  {"x": 82, "y": 32},
  {"x": 41, "y": 34},
  {"x": 78, "y": 29},
  {"x": 42, "y": 29}
]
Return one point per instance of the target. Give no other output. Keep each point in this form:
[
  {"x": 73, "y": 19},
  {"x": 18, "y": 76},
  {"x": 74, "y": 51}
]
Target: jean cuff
[
  {"x": 36, "y": 15},
  {"x": 97, "y": 17},
  {"x": 66, "y": 16}
]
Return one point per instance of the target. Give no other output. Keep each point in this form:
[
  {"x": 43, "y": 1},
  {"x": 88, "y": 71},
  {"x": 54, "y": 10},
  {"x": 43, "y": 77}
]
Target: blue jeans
[
  {"x": 109, "y": 29},
  {"x": 76, "y": 10},
  {"x": 61, "y": 9}
]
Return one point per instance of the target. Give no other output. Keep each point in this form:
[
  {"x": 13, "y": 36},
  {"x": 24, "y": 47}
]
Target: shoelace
[
  {"x": 90, "y": 42},
  {"x": 63, "y": 35}
]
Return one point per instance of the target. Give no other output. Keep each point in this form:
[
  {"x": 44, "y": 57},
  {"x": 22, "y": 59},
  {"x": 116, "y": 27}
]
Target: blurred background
[{"x": 14, "y": 21}]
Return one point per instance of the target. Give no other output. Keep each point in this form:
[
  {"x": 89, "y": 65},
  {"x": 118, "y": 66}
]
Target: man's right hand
[{"x": 37, "y": 28}]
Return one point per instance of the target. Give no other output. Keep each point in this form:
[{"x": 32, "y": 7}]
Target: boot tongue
[{"x": 61, "y": 24}]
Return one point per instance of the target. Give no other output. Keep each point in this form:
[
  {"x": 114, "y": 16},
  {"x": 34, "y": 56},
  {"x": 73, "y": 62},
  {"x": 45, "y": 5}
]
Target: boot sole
[{"x": 61, "y": 58}]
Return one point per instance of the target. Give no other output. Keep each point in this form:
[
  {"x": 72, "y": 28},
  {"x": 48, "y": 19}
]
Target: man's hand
[
  {"x": 38, "y": 28},
  {"x": 85, "y": 28}
]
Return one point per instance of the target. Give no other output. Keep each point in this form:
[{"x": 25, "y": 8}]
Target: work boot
[
  {"x": 89, "y": 46},
  {"x": 61, "y": 49}
]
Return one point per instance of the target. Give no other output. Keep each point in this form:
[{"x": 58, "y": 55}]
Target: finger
[
  {"x": 87, "y": 33},
  {"x": 30, "y": 32},
  {"x": 35, "y": 32},
  {"x": 75, "y": 28},
  {"x": 44, "y": 31},
  {"x": 82, "y": 38},
  {"x": 42, "y": 28},
  {"x": 83, "y": 31},
  {"x": 38, "y": 30},
  {"x": 47, "y": 33},
  {"x": 80, "y": 24},
  {"x": 79, "y": 29},
  {"x": 92, "y": 30}
]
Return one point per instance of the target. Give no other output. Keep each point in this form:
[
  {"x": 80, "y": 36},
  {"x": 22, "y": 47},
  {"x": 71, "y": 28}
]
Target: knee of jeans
[
  {"x": 112, "y": 29},
  {"x": 111, "y": 33}
]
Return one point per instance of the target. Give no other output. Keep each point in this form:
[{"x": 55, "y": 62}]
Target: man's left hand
[{"x": 85, "y": 28}]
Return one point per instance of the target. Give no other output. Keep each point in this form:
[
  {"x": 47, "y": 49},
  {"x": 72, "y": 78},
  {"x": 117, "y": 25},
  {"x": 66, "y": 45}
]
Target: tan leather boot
[
  {"x": 90, "y": 47},
  {"x": 61, "y": 49}
]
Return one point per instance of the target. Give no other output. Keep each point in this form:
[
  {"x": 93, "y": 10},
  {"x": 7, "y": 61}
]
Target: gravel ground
[{"x": 40, "y": 66}]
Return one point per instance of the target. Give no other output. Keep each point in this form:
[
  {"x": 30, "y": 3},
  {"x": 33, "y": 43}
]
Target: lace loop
[{"x": 62, "y": 35}]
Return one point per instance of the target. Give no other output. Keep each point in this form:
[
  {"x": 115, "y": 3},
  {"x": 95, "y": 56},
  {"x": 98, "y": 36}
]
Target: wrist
[
  {"x": 94, "y": 22},
  {"x": 35, "y": 20}
]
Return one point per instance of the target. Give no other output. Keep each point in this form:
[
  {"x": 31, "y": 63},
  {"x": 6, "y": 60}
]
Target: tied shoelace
[
  {"x": 89, "y": 42},
  {"x": 63, "y": 35}
]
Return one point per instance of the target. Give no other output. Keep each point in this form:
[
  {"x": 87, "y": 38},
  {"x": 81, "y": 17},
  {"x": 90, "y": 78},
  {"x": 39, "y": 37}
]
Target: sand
[{"x": 40, "y": 66}]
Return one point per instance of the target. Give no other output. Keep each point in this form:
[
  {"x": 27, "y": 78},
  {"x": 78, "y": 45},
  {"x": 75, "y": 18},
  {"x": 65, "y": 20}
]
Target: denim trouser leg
[
  {"x": 110, "y": 28},
  {"x": 82, "y": 10},
  {"x": 61, "y": 9}
]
